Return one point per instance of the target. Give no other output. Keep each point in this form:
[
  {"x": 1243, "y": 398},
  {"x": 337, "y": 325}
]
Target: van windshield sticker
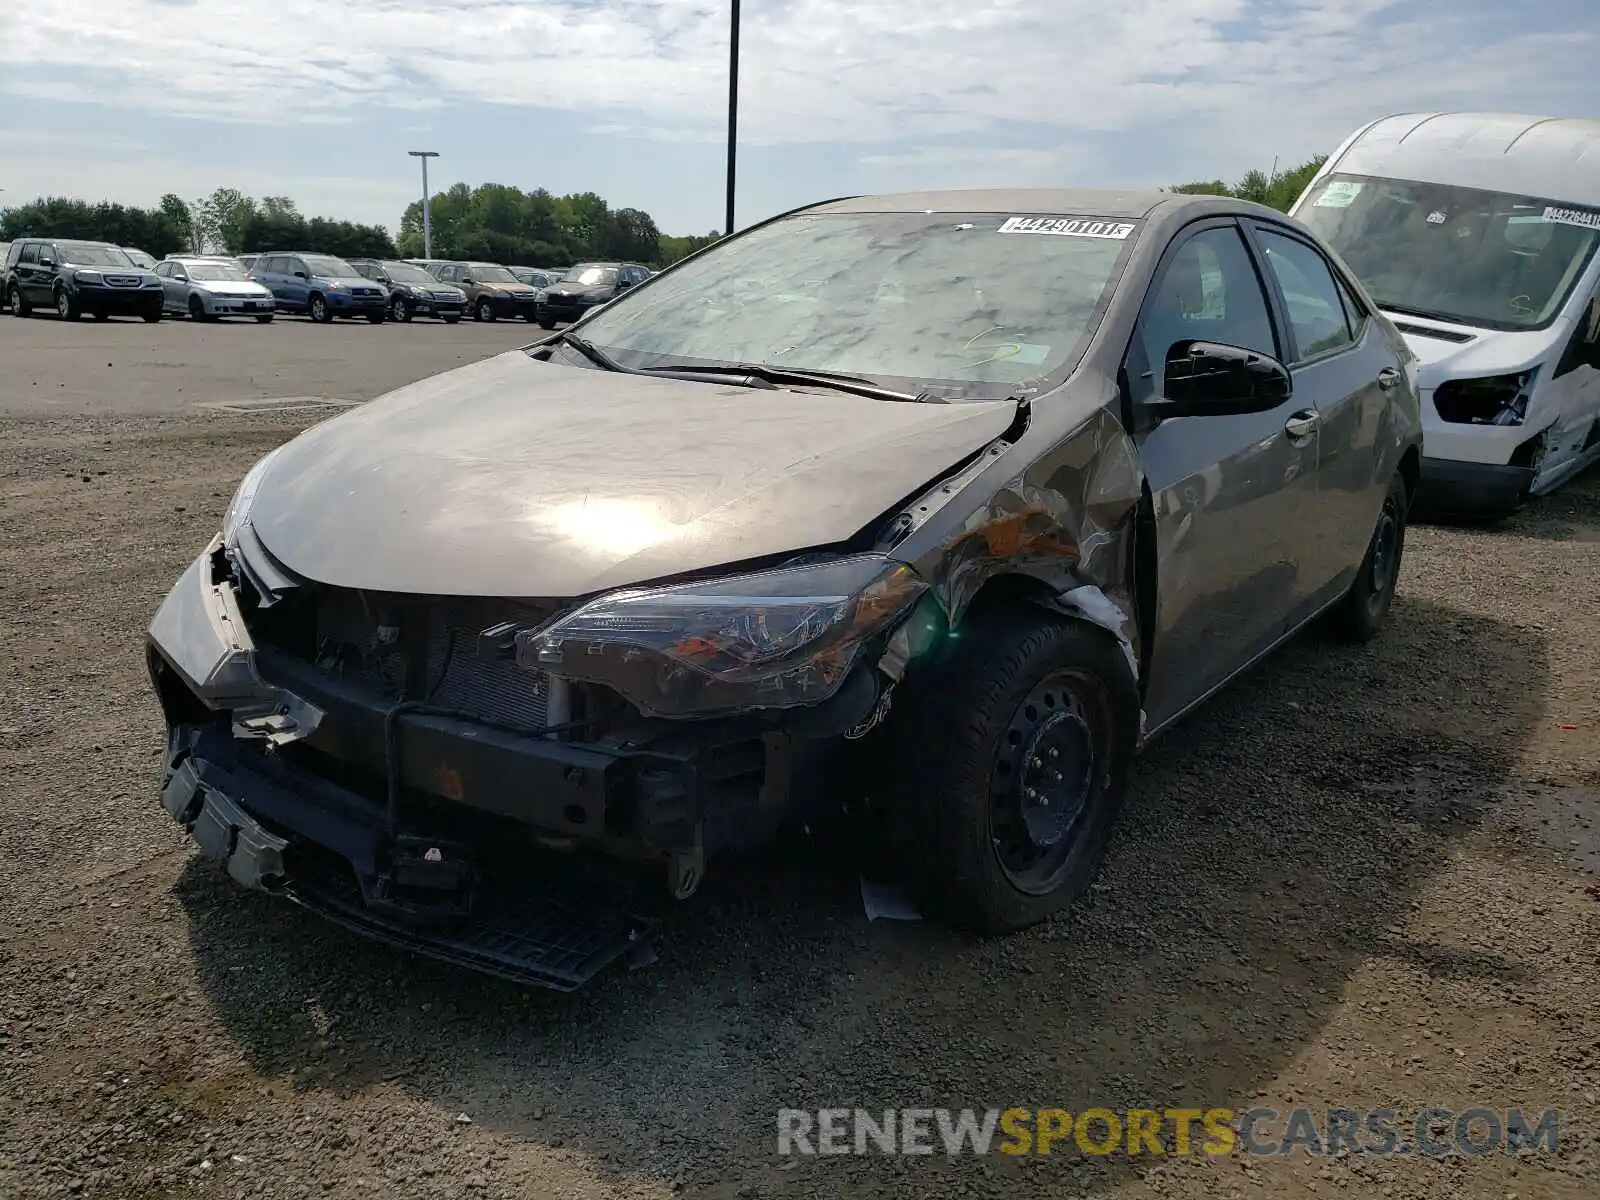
[
  {"x": 1068, "y": 227},
  {"x": 1338, "y": 194},
  {"x": 1587, "y": 217}
]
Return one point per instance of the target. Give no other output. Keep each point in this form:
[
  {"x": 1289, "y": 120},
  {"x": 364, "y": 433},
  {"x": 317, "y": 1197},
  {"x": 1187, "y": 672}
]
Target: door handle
[
  {"x": 1302, "y": 425},
  {"x": 1388, "y": 378}
]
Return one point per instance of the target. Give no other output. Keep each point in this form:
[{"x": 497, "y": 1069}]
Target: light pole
[
  {"x": 427, "y": 215},
  {"x": 733, "y": 113}
]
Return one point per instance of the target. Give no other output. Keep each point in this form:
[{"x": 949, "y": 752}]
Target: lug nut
[{"x": 1055, "y": 753}]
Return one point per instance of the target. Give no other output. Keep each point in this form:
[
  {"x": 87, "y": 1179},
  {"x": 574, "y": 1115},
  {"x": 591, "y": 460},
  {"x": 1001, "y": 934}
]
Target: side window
[
  {"x": 1355, "y": 313},
  {"x": 269, "y": 264},
  {"x": 30, "y": 253},
  {"x": 164, "y": 270},
  {"x": 293, "y": 265},
  {"x": 14, "y": 254},
  {"x": 447, "y": 274},
  {"x": 1207, "y": 291},
  {"x": 1316, "y": 311}
]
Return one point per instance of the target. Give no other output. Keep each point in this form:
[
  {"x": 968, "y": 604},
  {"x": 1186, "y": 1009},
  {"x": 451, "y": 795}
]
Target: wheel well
[{"x": 1411, "y": 471}]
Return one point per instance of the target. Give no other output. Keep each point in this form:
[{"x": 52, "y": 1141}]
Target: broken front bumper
[{"x": 392, "y": 822}]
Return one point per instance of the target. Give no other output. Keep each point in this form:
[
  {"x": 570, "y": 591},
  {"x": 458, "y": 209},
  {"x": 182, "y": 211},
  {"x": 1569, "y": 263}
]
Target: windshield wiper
[
  {"x": 1426, "y": 314},
  {"x": 778, "y": 376},
  {"x": 590, "y": 351}
]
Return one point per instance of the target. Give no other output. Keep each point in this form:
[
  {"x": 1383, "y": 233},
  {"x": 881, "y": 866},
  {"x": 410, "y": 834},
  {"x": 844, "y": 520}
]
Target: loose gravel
[{"x": 1361, "y": 877}]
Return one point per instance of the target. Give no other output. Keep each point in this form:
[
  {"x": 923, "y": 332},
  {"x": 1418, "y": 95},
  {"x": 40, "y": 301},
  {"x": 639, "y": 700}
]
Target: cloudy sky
[{"x": 321, "y": 99}]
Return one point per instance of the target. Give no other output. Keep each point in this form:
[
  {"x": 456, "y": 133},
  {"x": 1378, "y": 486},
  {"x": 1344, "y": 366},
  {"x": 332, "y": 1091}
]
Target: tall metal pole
[
  {"x": 427, "y": 214},
  {"x": 733, "y": 114}
]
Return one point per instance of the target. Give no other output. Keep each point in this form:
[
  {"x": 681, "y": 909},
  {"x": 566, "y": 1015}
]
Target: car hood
[
  {"x": 517, "y": 478},
  {"x": 512, "y": 288},
  {"x": 347, "y": 280},
  {"x": 1442, "y": 354},
  {"x": 232, "y": 287}
]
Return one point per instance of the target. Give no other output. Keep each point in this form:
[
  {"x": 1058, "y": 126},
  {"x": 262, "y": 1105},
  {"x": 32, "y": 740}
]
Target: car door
[
  {"x": 174, "y": 286},
  {"x": 26, "y": 272},
  {"x": 42, "y": 274},
  {"x": 1576, "y": 384},
  {"x": 1344, "y": 369},
  {"x": 1231, "y": 494},
  {"x": 297, "y": 283}
]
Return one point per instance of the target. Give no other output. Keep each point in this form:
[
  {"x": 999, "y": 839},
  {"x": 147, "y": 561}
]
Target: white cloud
[
  {"x": 1233, "y": 82},
  {"x": 815, "y": 70}
]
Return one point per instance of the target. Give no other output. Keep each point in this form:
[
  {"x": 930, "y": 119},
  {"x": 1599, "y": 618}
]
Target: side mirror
[
  {"x": 624, "y": 284},
  {"x": 46, "y": 260},
  {"x": 301, "y": 275},
  {"x": 466, "y": 279},
  {"x": 1209, "y": 379}
]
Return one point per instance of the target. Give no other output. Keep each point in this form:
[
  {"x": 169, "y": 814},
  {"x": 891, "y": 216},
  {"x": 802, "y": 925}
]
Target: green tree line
[
  {"x": 1274, "y": 189},
  {"x": 493, "y": 222}
]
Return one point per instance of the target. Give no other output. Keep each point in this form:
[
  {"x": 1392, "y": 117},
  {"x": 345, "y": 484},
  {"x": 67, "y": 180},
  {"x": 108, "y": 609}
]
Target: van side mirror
[{"x": 1209, "y": 379}]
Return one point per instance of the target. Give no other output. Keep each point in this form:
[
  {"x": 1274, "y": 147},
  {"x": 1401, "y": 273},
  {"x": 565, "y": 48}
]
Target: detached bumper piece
[{"x": 559, "y": 923}]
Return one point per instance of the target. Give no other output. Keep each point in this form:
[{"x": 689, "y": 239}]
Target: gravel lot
[{"x": 1361, "y": 877}]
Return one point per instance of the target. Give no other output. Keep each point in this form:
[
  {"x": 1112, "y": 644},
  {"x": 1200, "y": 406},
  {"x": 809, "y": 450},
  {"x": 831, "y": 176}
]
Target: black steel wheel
[
  {"x": 1004, "y": 762},
  {"x": 1360, "y": 615}
]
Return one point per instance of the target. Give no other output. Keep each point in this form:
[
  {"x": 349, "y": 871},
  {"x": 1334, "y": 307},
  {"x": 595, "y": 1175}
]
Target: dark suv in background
[
  {"x": 585, "y": 286},
  {"x": 492, "y": 290},
  {"x": 76, "y": 277},
  {"x": 413, "y": 292}
]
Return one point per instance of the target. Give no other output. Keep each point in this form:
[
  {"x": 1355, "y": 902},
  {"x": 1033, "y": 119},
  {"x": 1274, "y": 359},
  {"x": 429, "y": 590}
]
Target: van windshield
[{"x": 1496, "y": 260}]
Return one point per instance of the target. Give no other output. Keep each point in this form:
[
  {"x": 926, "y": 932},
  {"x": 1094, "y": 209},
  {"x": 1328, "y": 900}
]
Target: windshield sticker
[
  {"x": 1338, "y": 194},
  {"x": 1068, "y": 227},
  {"x": 1587, "y": 217},
  {"x": 1438, "y": 217}
]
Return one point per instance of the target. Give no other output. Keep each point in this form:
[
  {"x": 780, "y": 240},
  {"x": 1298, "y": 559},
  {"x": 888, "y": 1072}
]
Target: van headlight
[
  {"x": 239, "y": 507},
  {"x": 1487, "y": 400},
  {"x": 772, "y": 639}
]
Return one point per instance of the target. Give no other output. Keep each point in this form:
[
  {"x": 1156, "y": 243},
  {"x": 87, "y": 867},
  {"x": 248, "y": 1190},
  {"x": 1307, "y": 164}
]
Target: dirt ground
[{"x": 1361, "y": 878}]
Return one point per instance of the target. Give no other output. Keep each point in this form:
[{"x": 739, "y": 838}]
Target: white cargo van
[{"x": 1476, "y": 234}]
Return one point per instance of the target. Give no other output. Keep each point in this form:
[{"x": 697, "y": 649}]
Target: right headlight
[
  {"x": 239, "y": 506},
  {"x": 773, "y": 639}
]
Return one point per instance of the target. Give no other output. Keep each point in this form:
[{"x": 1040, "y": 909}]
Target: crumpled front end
[{"x": 394, "y": 763}]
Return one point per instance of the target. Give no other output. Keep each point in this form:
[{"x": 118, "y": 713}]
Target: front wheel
[
  {"x": 484, "y": 311},
  {"x": 67, "y": 305},
  {"x": 197, "y": 309},
  {"x": 1360, "y": 615},
  {"x": 546, "y": 322},
  {"x": 317, "y": 309},
  {"x": 1010, "y": 758},
  {"x": 264, "y": 319},
  {"x": 376, "y": 318},
  {"x": 399, "y": 310},
  {"x": 451, "y": 320}
]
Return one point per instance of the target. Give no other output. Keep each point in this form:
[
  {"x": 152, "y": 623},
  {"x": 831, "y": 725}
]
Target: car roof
[
  {"x": 1556, "y": 158},
  {"x": 1102, "y": 202}
]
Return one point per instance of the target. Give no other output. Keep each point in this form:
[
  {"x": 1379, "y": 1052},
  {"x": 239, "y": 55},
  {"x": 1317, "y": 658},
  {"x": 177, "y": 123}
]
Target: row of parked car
[{"x": 76, "y": 278}]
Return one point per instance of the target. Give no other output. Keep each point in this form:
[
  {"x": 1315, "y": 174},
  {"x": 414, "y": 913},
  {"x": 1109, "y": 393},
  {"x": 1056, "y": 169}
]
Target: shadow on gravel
[{"x": 1272, "y": 845}]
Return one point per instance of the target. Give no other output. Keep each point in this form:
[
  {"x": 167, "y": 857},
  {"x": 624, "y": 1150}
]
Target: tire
[
  {"x": 317, "y": 309},
  {"x": 546, "y": 322},
  {"x": 399, "y": 310},
  {"x": 67, "y": 305},
  {"x": 19, "y": 303},
  {"x": 197, "y": 309},
  {"x": 483, "y": 310},
  {"x": 972, "y": 749},
  {"x": 1360, "y": 615},
  {"x": 151, "y": 316},
  {"x": 377, "y": 318},
  {"x": 264, "y": 319},
  {"x": 101, "y": 315},
  {"x": 451, "y": 320}
]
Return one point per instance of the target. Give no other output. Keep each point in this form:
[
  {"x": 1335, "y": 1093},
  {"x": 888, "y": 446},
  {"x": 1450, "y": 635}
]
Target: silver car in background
[{"x": 207, "y": 288}]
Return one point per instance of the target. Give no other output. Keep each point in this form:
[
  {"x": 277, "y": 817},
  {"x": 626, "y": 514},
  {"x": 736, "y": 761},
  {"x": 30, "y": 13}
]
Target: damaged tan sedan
[{"x": 944, "y": 503}]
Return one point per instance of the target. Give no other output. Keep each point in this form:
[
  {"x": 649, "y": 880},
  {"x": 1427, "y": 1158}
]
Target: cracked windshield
[{"x": 948, "y": 298}]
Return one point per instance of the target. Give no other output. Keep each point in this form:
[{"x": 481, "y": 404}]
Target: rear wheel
[
  {"x": 264, "y": 319},
  {"x": 19, "y": 304},
  {"x": 67, "y": 305},
  {"x": 317, "y": 309},
  {"x": 151, "y": 315},
  {"x": 484, "y": 311},
  {"x": 1361, "y": 614},
  {"x": 1010, "y": 758},
  {"x": 546, "y": 322},
  {"x": 452, "y": 320}
]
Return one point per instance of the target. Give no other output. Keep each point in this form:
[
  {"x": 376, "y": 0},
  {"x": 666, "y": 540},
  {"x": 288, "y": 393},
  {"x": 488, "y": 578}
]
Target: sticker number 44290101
[{"x": 1116, "y": 231}]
